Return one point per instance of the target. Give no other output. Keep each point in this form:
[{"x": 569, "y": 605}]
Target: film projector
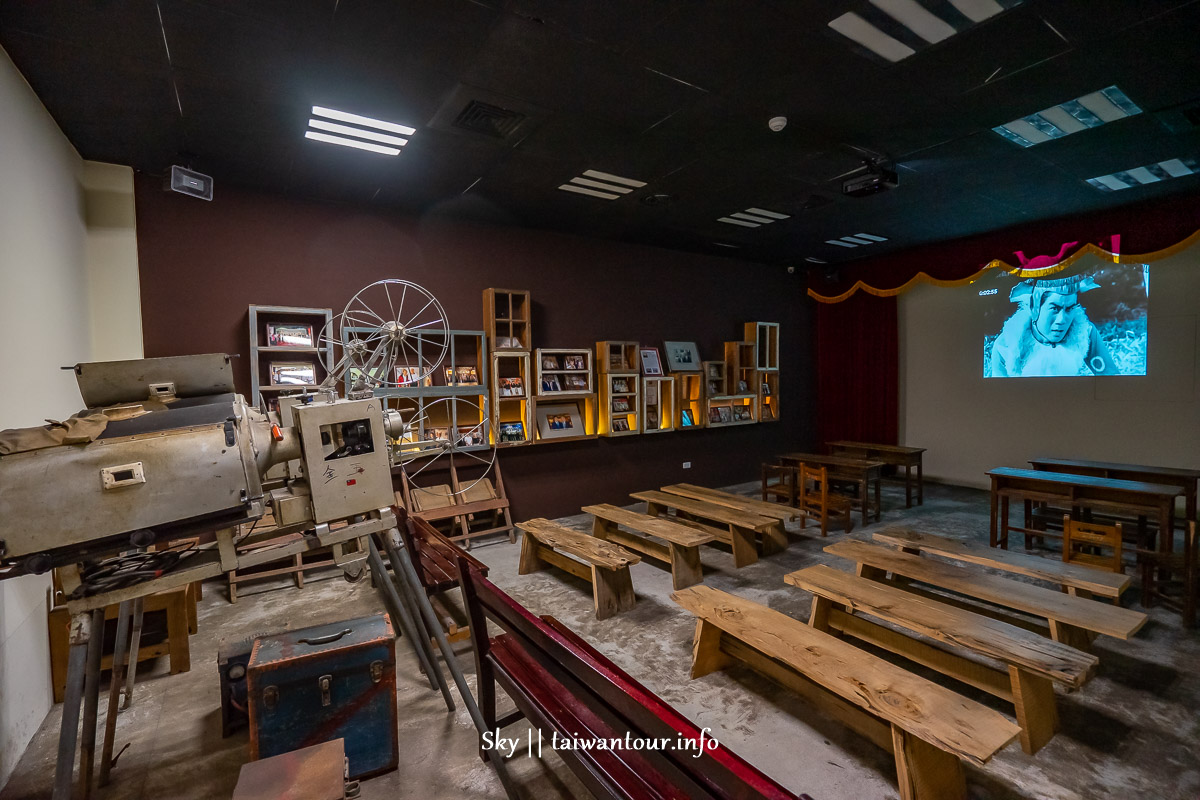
[{"x": 167, "y": 452}]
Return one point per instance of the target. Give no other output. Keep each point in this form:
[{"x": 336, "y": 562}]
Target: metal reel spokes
[
  {"x": 394, "y": 332},
  {"x": 449, "y": 430}
]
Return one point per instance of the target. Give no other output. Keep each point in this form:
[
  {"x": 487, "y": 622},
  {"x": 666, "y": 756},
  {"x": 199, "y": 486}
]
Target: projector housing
[
  {"x": 186, "y": 181},
  {"x": 873, "y": 181}
]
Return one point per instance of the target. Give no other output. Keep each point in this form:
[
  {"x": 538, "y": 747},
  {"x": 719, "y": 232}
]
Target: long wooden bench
[
  {"x": 1030, "y": 662},
  {"x": 741, "y": 525},
  {"x": 1072, "y": 620},
  {"x": 1077, "y": 579},
  {"x": 735, "y": 501},
  {"x": 605, "y": 565},
  {"x": 682, "y": 548},
  {"x": 564, "y": 686},
  {"x": 927, "y": 727},
  {"x": 435, "y": 558}
]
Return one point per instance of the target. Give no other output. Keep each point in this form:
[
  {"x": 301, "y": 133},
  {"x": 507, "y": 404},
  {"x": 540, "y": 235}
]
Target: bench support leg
[
  {"x": 744, "y": 552},
  {"x": 1070, "y": 636},
  {"x": 774, "y": 539},
  {"x": 530, "y": 561},
  {"x": 685, "y": 566},
  {"x": 819, "y": 616},
  {"x": 925, "y": 772},
  {"x": 706, "y": 650},
  {"x": 1037, "y": 713},
  {"x": 612, "y": 591}
]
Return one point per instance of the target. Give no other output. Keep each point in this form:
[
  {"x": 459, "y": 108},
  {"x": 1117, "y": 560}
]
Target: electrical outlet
[{"x": 687, "y": 465}]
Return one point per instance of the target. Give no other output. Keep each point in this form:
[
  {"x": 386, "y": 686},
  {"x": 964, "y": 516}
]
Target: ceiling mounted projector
[
  {"x": 189, "y": 182},
  {"x": 875, "y": 180}
]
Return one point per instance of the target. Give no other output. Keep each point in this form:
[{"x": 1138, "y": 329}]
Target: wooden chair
[
  {"x": 1080, "y": 539},
  {"x": 779, "y": 483},
  {"x": 815, "y": 499},
  {"x": 1173, "y": 579}
]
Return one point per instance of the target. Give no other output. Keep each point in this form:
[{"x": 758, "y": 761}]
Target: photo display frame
[
  {"x": 559, "y": 421},
  {"x": 651, "y": 363},
  {"x": 290, "y": 334},
  {"x": 682, "y": 356}
]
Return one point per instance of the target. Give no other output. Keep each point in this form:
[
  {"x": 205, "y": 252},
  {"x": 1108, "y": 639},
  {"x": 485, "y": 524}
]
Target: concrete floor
[{"x": 1133, "y": 731}]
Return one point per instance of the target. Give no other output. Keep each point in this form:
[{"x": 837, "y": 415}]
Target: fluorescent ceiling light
[
  {"x": 734, "y": 246},
  {"x": 1150, "y": 173},
  {"x": 752, "y": 217},
  {"x": 812, "y": 260},
  {"x": 1060, "y": 118},
  {"x": 344, "y": 116},
  {"x": 870, "y": 237},
  {"x": 1090, "y": 111},
  {"x": 917, "y": 19},
  {"x": 599, "y": 185},
  {"x": 1143, "y": 175},
  {"x": 839, "y": 243},
  {"x": 853, "y": 240},
  {"x": 1102, "y": 107},
  {"x": 743, "y": 223},
  {"x": 1111, "y": 182},
  {"x": 604, "y": 176},
  {"x": 1175, "y": 168},
  {"x": 331, "y": 139},
  {"x": 857, "y": 29},
  {"x": 762, "y": 212},
  {"x": 977, "y": 10},
  {"x": 566, "y": 187},
  {"x": 896, "y": 29},
  {"x": 346, "y": 129}
]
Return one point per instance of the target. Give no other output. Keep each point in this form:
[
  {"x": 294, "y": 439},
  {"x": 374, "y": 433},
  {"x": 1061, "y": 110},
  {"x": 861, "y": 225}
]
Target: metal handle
[{"x": 333, "y": 637}]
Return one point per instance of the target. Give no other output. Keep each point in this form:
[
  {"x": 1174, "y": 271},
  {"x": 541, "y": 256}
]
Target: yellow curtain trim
[{"x": 1092, "y": 249}]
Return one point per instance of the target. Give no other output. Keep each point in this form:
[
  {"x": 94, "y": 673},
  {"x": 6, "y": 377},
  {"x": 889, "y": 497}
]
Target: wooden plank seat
[
  {"x": 604, "y": 564},
  {"x": 735, "y": 501},
  {"x": 1075, "y": 578},
  {"x": 564, "y": 686},
  {"x": 742, "y": 526},
  {"x": 436, "y": 559},
  {"x": 682, "y": 548},
  {"x": 927, "y": 727},
  {"x": 1029, "y": 662},
  {"x": 1073, "y": 620}
]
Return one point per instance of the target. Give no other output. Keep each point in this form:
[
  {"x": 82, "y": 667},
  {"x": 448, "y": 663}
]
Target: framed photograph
[
  {"x": 470, "y": 435},
  {"x": 682, "y": 356},
  {"x": 652, "y": 393},
  {"x": 466, "y": 376},
  {"x": 438, "y": 434},
  {"x": 620, "y": 405},
  {"x": 724, "y": 414},
  {"x": 686, "y": 418},
  {"x": 287, "y": 373},
  {"x": 575, "y": 383},
  {"x": 354, "y": 375},
  {"x": 507, "y": 343},
  {"x": 651, "y": 365},
  {"x": 714, "y": 371},
  {"x": 616, "y": 358},
  {"x": 512, "y": 431},
  {"x": 549, "y": 362},
  {"x": 620, "y": 424},
  {"x": 620, "y": 385},
  {"x": 512, "y": 387},
  {"x": 281, "y": 334},
  {"x": 408, "y": 376},
  {"x": 768, "y": 412},
  {"x": 559, "y": 421},
  {"x": 652, "y": 419},
  {"x": 550, "y": 384},
  {"x": 766, "y": 389},
  {"x": 714, "y": 414},
  {"x": 743, "y": 387},
  {"x": 742, "y": 414},
  {"x": 714, "y": 388},
  {"x": 576, "y": 362}
]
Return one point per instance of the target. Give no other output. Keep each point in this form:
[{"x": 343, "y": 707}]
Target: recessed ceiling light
[
  {"x": 893, "y": 30},
  {"x": 367, "y": 122},
  {"x": 334, "y": 127},
  {"x": 1090, "y": 111},
  {"x": 1151, "y": 173},
  {"x": 872, "y": 237},
  {"x": 857, "y": 240},
  {"x": 601, "y": 184},
  {"x": 839, "y": 243},
  {"x": 331, "y": 139},
  {"x": 351, "y": 136},
  {"x": 743, "y": 223},
  {"x": 753, "y": 217}
]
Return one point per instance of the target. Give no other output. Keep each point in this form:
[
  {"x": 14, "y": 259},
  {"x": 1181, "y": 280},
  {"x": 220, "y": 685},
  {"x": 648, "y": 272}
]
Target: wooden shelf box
[
  {"x": 510, "y": 408},
  {"x": 551, "y": 364},
  {"x": 765, "y": 336},
  {"x": 620, "y": 399},
  {"x": 731, "y": 410},
  {"x": 507, "y": 316},
  {"x": 264, "y": 352},
  {"x": 768, "y": 397},
  {"x": 716, "y": 379},
  {"x": 618, "y": 357},
  {"x": 585, "y": 408},
  {"x": 658, "y": 404},
  {"x": 689, "y": 401},
  {"x": 740, "y": 367}
]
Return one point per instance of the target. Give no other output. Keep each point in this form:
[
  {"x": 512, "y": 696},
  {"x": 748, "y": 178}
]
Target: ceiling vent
[
  {"x": 490, "y": 120},
  {"x": 478, "y": 112}
]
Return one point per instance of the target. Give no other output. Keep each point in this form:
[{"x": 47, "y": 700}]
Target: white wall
[
  {"x": 47, "y": 294},
  {"x": 970, "y": 424}
]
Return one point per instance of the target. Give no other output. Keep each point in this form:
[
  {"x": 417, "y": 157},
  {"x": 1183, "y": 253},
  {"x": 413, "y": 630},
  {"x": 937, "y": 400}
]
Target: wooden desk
[
  {"x": 841, "y": 468},
  {"x": 1185, "y": 479},
  {"x": 897, "y": 455},
  {"x": 1077, "y": 492}
]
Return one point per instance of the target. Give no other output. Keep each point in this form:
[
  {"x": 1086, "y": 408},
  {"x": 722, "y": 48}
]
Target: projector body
[
  {"x": 873, "y": 181},
  {"x": 190, "y": 182}
]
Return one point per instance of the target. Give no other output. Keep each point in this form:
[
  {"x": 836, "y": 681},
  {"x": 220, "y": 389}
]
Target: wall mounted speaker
[{"x": 190, "y": 183}]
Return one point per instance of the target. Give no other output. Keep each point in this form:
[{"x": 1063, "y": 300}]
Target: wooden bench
[
  {"x": 1073, "y": 620},
  {"x": 682, "y": 548},
  {"x": 927, "y": 727},
  {"x": 563, "y": 686},
  {"x": 737, "y": 502},
  {"x": 1076, "y": 579},
  {"x": 1030, "y": 662},
  {"x": 435, "y": 558},
  {"x": 741, "y": 525},
  {"x": 605, "y": 565}
]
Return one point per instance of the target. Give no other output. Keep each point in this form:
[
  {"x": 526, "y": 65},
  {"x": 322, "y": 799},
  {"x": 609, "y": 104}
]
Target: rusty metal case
[{"x": 335, "y": 681}]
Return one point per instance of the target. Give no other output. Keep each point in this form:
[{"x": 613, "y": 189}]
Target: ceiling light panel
[
  {"x": 604, "y": 185},
  {"x": 1151, "y": 173},
  {"x": 753, "y": 217},
  {"x": 857, "y": 240},
  {"x": 1090, "y": 111},
  {"x": 893, "y": 30},
  {"x": 359, "y": 132}
]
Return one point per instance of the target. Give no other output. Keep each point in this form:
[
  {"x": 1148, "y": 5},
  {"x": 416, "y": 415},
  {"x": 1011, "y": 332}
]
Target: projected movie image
[{"x": 1086, "y": 321}]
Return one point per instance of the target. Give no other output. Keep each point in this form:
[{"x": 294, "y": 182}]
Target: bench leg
[
  {"x": 870, "y": 573},
  {"x": 530, "y": 562},
  {"x": 601, "y": 527},
  {"x": 925, "y": 772},
  {"x": 685, "y": 566},
  {"x": 1070, "y": 636},
  {"x": 819, "y": 616},
  {"x": 744, "y": 552},
  {"x": 1037, "y": 713},
  {"x": 774, "y": 539},
  {"x": 612, "y": 591},
  {"x": 177, "y": 636},
  {"x": 706, "y": 650}
]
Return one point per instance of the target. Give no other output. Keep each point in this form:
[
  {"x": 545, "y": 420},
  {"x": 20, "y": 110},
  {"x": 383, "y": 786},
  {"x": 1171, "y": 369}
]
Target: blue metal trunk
[{"x": 335, "y": 681}]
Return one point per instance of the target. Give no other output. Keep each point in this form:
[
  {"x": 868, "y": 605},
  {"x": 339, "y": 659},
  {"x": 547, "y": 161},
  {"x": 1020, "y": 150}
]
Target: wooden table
[
  {"x": 310, "y": 773},
  {"x": 842, "y": 468},
  {"x": 1185, "y": 479},
  {"x": 1076, "y": 492},
  {"x": 897, "y": 455}
]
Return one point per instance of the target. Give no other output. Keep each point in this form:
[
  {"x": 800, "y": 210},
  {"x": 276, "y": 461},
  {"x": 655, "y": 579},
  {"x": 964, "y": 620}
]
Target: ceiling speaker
[{"x": 191, "y": 183}]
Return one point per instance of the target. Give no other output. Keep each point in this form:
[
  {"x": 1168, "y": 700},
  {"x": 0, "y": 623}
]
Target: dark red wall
[{"x": 202, "y": 264}]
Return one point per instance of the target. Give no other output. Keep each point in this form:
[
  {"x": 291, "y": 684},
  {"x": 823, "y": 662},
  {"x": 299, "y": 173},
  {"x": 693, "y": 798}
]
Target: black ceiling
[{"x": 674, "y": 93}]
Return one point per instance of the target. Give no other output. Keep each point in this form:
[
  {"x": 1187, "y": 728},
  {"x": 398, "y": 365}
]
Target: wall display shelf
[
  {"x": 716, "y": 379},
  {"x": 658, "y": 405},
  {"x": 512, "y": 399},
  {"x": 560, "y": 419},
  {"x": 507, "y": 318},
  {"x": 731, "y": 410},
  {"x": 765, "y": 336},
  {"x": 690, "y": 412},
  {"x": 768, "y": 397},
  {"x": 620, "y": 357},
  {"x": 285, "y": 354},
  {"x": 740, "y": 361},
  {"x": 620, "y": 403},
  {"x": 563, "y": 372}
]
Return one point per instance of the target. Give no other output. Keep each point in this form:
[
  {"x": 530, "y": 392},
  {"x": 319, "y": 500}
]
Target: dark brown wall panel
[{"x": 202, "y": 264}]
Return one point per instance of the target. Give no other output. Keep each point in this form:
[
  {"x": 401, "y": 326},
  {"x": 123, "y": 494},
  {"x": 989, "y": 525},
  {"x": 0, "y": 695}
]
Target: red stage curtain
[{"x": 858, "y": 384}]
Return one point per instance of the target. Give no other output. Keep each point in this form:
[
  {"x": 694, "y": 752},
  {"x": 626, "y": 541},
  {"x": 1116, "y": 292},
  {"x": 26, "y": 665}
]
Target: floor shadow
[{"x": 1134, "y": 673}]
